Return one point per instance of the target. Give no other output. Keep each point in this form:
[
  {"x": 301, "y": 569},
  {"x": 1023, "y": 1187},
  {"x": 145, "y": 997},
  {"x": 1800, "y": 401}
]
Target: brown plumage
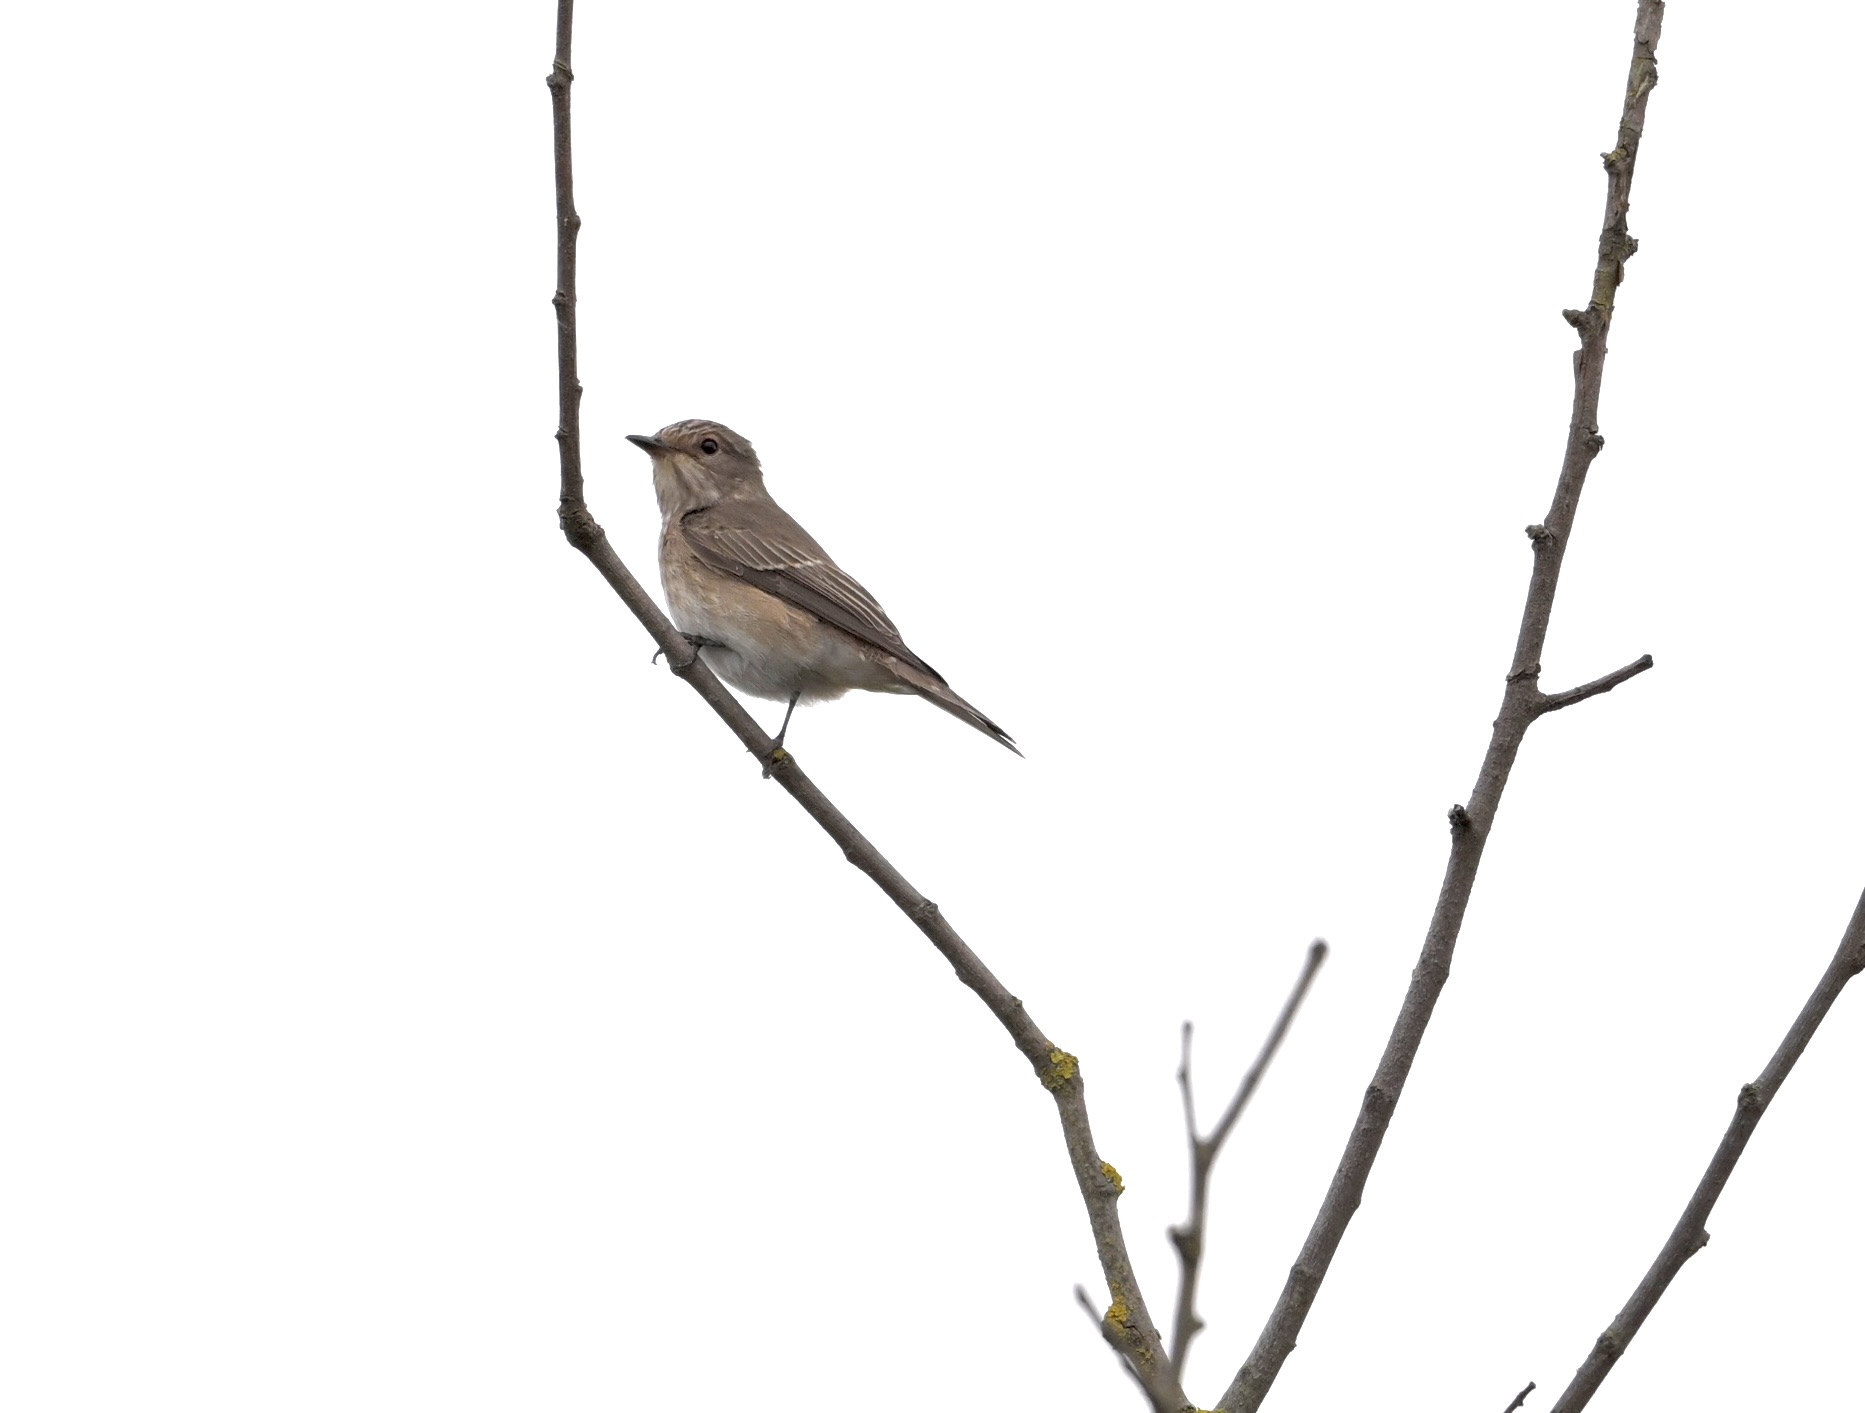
[{"x": 772, "y": 613}]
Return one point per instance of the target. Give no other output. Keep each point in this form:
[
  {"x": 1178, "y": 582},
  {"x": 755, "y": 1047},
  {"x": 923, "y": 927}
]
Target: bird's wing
[{"x": 768, "y": 549}]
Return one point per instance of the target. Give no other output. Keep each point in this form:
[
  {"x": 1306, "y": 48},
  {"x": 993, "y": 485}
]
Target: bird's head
[{"x": 699, "y": 463}]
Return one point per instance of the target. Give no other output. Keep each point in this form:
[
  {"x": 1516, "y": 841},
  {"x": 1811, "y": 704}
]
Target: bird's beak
[{"x": 648, "y": 444}]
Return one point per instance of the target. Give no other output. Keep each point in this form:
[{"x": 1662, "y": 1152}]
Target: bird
[{"x": 767, "y": 608}]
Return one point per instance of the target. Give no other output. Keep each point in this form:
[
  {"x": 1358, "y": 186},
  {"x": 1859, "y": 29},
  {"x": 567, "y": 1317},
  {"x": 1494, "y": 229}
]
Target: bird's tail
[{"x": 931, "y": 686}]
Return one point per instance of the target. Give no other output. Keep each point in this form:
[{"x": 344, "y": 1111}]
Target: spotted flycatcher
[{"x": 767, "y": 608}]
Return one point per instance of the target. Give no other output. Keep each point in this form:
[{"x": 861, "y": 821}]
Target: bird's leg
[
  {"x": 778, "y": 744},
  {"x": 695, "y": 641}
]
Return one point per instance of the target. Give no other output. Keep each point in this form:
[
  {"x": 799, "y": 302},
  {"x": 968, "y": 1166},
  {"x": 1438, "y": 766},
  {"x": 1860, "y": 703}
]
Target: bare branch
[
  {"x": 1317, "y": 954},
  {"x": 1188, "y": 1240},
  {"x": 1554, "y": 701},
  {"x": 1690, "y": 1235},
  {"x": 1470, "y": 825},
  {"x": 1127, "y": 1319},
  {"x": 1521, "y": 1398},
  {"x": 569, "y": 389}
]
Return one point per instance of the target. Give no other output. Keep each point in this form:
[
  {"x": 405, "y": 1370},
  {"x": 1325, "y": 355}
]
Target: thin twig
[
  {"x": 1126, "y": 1320},
  {"x": 1554, "y": 701},
  {"x": 1690, "y": 1234},
  {"x": 569, "y": 388},
  {"x": 1522, "y": 703},
  {"x": 1521, "y": 1398},
  {"x": 1188, "y": 1240}
]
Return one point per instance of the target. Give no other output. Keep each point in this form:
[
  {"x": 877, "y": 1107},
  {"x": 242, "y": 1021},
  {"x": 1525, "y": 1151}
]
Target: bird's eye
[{"x": 709, "y": 446}]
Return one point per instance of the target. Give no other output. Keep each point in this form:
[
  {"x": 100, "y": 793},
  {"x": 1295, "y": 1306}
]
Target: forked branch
[
  {"x": 1522, "y": 704},
  {"x": 1188, "y": 1240}
]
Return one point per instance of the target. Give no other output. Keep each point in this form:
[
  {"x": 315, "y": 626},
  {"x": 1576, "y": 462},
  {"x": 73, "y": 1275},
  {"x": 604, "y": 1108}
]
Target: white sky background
[{"x": 414, "y": 1000}]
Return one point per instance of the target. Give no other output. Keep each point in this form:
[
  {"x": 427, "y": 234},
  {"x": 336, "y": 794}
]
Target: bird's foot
[{"x": 696, "y": 641}]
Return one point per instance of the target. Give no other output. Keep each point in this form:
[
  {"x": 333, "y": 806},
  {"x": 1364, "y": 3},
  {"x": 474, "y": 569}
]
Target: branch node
[
  {"x": 1540, "y": 536},
  {"x": 578, "y": 525},
  {"x": 1062, "y": 1068},
  {"x": 1586, "y": 322},
  {"x": 1618, "y": 247},
  {"x": 1459, "y": 817},
  {"x": 1521, "y": 1398},
  {"x": 1749, "y": 1100},
  {"x": 1113, "y": 1341}
]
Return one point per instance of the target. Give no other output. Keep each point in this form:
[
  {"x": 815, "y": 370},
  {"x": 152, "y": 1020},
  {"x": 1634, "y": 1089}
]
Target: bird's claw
[{"x": 695, "y": 641}]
